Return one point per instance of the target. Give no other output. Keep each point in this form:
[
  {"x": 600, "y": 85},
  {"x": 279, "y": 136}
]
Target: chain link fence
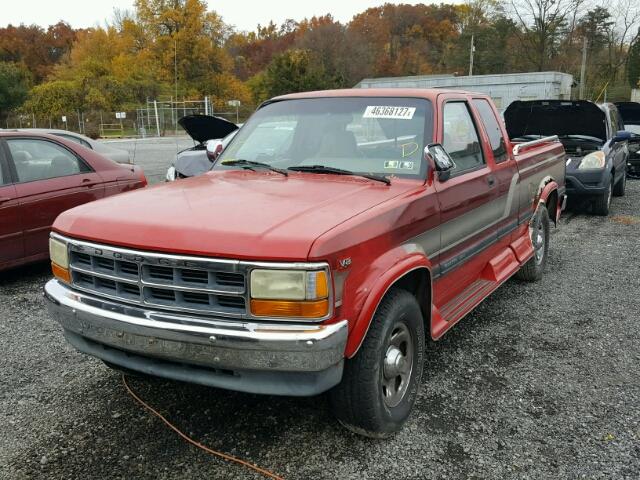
[{"x": 157, "y": 118}]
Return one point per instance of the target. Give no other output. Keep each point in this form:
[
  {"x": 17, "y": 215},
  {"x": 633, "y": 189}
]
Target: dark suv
[
  {"x": 630, "y": 113},
  {"x": 594, "y": 139}
]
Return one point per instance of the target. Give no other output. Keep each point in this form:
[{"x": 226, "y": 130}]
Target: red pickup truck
[{"x": 335, "y": 233}]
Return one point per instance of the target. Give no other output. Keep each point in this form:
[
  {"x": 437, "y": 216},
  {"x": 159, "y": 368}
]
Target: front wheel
[
  {"x": 621, "y": 186},
  {"x": 539, "y": 232},
  {"x": 380, "y": 384},
  {"x": 602, "y": 203}
]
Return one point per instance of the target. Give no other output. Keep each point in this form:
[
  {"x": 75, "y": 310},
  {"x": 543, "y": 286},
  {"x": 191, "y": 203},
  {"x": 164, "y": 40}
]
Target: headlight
[
  {"x": 289, "y": 293},
  {"x": 593, "y": 160},
  {"x": 59, "y": 259}
]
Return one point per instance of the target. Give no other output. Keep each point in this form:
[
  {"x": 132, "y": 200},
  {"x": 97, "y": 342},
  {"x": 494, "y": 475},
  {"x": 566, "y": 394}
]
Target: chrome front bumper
[{"x": 254, "y": 357}]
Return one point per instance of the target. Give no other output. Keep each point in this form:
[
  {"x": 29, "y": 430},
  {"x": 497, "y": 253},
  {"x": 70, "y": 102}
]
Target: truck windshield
[{"x": 365, "y": 135}]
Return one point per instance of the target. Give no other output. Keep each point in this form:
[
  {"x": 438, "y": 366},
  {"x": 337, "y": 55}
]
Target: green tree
[
  {"x": 294, "y": 71},
  {"x": 54, "y": 98},
  {"x": 14, "y": 85}
]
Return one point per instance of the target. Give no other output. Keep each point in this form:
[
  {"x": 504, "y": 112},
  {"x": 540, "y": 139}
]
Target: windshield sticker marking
[
  {"x": 398, "y": 165},
  {"x": 409, "y": 149},
  {"x": 395, "y": 113}
]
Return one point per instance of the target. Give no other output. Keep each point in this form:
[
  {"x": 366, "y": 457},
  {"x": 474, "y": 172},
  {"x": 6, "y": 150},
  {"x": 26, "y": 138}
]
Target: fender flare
[
  {"x": 394, "y": 269},
  {"x": 546, "y": 189}
]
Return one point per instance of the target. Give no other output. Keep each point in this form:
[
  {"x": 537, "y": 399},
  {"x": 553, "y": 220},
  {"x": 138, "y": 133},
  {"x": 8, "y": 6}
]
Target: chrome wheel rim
[
  {"x": 397, "y": 365},
  {"x": 537, "y": 239}
]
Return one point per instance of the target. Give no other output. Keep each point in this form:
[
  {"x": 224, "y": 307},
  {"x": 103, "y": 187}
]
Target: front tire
[
  {"x": 533, "y": 270},
  {"x": 602, "y": 203},
  {"x": 621, "y": 186},
  {"x": 380, "y": 384}
]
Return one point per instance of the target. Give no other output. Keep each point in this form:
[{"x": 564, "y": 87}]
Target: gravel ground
[{"x": 541, "y": 381}]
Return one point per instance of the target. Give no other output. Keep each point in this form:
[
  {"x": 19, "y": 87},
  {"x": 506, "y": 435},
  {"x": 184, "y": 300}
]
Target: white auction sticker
[{"x": 396, "y": 113}]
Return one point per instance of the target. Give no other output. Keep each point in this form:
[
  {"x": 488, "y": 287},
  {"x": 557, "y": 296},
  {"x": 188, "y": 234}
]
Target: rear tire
[
  {"x": 602, "y": 203},
  {"x": 533, "y": 270},
  {"x": 380, "y": 384},
  {"x": 621, "y": 186}
]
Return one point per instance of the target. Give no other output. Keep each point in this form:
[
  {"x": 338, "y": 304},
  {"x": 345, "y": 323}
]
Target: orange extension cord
[{"x": 224, "y": 456}]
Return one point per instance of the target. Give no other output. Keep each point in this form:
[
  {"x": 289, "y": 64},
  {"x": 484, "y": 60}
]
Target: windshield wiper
[
  {"x": 249, "y": 164},
  {"x": 338, "y": 171}
]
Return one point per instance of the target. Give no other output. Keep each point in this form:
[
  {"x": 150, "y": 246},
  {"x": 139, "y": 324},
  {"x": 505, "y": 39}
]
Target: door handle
[
  {"x": 4, "y": 199},
  {"x": 86, "y": 182},
  {"x": 491, "y": 180}
]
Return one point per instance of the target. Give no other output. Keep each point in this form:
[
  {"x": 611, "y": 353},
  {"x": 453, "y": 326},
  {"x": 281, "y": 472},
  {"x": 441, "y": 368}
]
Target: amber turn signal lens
[
  {"x": 61, "y": 273},
  {"x": 322, "y": 286},
  {"x": 286, "y": 308}
]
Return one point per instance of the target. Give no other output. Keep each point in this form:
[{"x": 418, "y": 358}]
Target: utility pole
[
  {"x": 471, "y": 50},
  {"x": 175, "y": 67},
  {"x": 583, "y": 67}
]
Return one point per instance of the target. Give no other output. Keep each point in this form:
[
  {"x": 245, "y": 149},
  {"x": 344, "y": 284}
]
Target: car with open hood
[
  {"x": 336, "y": 233},
  {"x": 212, "y": 134},
  {"x": 630, "y": 113},
  {"x": 594, "y": 140}
]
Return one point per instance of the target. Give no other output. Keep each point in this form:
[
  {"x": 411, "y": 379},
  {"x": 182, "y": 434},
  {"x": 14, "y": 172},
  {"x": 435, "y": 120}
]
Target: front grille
[{"x": 205, "y": 286}]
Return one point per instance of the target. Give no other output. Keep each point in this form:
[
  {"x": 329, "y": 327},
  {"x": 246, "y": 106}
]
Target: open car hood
[
  {"x": 206, "y": 127},
  {"x": 555, "y": 117},
  {"x": 630, "y": 112}
]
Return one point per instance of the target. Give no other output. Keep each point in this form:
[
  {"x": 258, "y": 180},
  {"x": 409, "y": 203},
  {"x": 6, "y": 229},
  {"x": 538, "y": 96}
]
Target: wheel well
[
  {"x": 418, "y": 283},
  {"x": 552, "y": 205}
]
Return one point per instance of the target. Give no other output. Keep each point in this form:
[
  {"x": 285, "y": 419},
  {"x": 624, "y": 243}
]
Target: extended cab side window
[
  {"x": 460, "y": 138},
  {"x": 492, "y": 127},
  {"x": 36, "y": 159}
]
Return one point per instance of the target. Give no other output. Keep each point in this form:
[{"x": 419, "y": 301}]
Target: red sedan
[{"x": 41, "y": 176}]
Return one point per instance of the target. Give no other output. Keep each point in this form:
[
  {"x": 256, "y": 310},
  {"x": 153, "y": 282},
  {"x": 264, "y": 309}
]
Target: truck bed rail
[{"x": 533, "y": 143}]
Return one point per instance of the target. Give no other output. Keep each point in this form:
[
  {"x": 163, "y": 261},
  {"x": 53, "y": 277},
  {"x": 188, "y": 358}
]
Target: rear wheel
[
  {"x": 621, "y": 186},
  {"x": 533, "y": 270},
  {"x": 381, "y": 382},
  {"x": 602, "y": 203}
]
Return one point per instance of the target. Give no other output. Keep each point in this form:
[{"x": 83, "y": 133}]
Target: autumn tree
[
  {"x": 39, "y": 50},
  {"x": 187, "y": 39}
]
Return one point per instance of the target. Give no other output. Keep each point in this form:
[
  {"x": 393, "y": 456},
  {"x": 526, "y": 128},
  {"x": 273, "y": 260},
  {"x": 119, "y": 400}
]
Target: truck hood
[
  {"x": 229, "y": 214},
  {"x": 555, "y": 117},
  {"x": 206, "y": 127}
]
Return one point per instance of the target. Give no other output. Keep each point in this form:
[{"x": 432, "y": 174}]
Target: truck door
[
  {"x": 468, "y": 199},
  {"x": 11, "y": 241},
  {"x": 505, "y": 169}
]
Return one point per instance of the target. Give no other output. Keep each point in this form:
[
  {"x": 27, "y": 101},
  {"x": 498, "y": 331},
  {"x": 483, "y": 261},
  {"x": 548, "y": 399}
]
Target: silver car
[
  {"x": 116, "y": 154},
  {"x": 212, "y": 135}
]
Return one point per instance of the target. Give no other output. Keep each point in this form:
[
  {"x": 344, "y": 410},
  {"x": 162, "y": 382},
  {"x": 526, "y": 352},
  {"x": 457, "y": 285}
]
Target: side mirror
[
  {"x": 214, "y": 149},
  {"x": 621, "y": 136},
  {"x": 443, "y": 162}
]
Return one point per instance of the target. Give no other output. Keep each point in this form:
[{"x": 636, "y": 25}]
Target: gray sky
[{"x": 242, "y": 13}]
